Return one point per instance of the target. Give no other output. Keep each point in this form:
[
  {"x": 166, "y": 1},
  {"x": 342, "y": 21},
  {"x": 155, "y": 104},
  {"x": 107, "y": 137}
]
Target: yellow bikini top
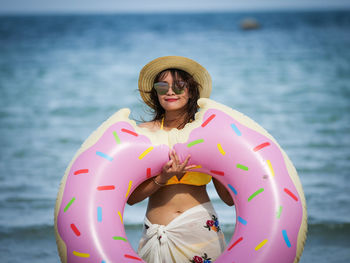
[{"x": 192, "y": 178}]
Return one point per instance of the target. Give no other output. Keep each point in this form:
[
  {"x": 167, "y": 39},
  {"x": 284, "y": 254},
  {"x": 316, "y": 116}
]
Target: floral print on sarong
[
  {"x": 213, "y": 224},
  {"x": 201, "y": 259}
]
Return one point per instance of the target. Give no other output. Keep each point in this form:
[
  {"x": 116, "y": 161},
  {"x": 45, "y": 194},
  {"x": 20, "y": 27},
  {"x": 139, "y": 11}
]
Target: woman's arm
[
  {"x": 223, "y": 192},
  {"x": 144, "y": 190}
]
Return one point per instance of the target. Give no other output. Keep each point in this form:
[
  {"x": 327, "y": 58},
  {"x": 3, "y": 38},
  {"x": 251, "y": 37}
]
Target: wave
[
  {"x": 338, "y": 232},
  {"x": 27, "y": 232}
]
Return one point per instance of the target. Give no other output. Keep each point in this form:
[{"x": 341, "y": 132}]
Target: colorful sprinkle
[
  {"x": 69, "y": 204},
  {"x": 279, "y": 212},
  {"x": 220, "y": 149},
  {"x": 116, "y": 137},
  {"x": 120, "y": 215},
  {"x": 221, "y": 173},
  {"x": 240, "y": 166},
  {"x": 270, "y": 167},
  {"x": 208, "y": 120},
  {"x": 236, "y": 130},
  {"x": 261, "y": 244},
  {"x": 286, "y": 239},
  {"x": 290, "y": 194},
  {"x": 130, "y": 132},
  {"x": 129, "y": 187},
  {"x": 260, "y": 146},
  {"x": 82, "y": 171},
  {"x": 255, "y": 194},
  {"x": 109, "y": 158},
  {"x": 194, "y": 142},
  {"x": 120, "y": 238},
  {"x": 146, "y": 152},
  {"x": 233, "y": 189},
  {"x": 99, "y": 214},
  {"x": 234, "y": 244},
  {"x": 106, "y": 187},
  {"x": 132, "y": 257},
  {"x": 148, "y": 173},
  {"x": 75, "y": 229},
  {"x": 82, "y": 255},
  {"x": 241, "y": 220}
]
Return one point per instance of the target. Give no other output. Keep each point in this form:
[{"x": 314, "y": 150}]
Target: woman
[{"x": 180, "y": 224}]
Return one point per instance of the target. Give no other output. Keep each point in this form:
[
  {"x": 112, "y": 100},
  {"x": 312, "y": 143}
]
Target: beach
[{"x": 61, "y": 76}]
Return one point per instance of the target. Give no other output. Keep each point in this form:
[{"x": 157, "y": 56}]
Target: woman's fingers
[
  {"x": 175, "y": 164},
  {"x": 172, "y": 156},
  {"x": 189, "y": 167},
  {"x": 184, "y": 164},
  {"x": 176, "y": 157},
  {"x": 168, "y": 165}
]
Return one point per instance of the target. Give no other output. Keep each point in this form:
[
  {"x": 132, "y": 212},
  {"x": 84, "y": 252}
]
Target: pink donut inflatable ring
[{"x": 271, "y": 219}]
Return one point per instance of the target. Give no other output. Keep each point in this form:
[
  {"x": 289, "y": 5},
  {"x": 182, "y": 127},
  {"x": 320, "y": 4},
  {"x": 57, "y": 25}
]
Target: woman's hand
[
  {"x": 174, "y": 167},
  {"x": 150, "y": 186}
]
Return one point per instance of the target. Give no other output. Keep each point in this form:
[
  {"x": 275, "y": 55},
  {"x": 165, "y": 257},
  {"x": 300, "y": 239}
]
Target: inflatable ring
[{"x": 271, "y": 220}]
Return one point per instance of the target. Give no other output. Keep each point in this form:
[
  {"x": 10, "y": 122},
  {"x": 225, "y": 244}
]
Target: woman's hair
[{"x": 193, "y": 90}]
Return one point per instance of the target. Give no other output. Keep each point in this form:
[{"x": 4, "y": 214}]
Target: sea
[{"x": 62, "y": 75}]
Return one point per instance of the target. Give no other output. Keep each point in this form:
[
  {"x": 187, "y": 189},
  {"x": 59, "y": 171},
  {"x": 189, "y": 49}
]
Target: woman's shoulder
[{"x": 151, "y": 125}]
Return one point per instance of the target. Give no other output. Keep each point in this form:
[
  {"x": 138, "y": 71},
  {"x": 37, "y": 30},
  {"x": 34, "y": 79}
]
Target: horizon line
[{"x": 203, "y": 11}]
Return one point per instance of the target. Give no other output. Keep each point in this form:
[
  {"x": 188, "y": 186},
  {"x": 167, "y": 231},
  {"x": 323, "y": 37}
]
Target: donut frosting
[{"x": 269, "y": 201}]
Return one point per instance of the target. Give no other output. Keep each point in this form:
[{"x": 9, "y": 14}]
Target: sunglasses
[{"x": 163, "y": 87}]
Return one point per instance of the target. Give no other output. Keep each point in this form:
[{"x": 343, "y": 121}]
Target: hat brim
[{"x": 150, "y": 71}]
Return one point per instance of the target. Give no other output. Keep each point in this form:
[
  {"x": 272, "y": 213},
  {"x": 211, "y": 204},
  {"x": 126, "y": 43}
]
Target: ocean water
[{"x": 61, "y": 76}]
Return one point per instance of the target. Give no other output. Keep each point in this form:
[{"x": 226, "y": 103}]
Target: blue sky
[{"x": 103, "y": 6}]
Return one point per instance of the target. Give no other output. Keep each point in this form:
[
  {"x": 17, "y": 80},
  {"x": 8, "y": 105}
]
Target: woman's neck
[{"x": 174, "y": 119}]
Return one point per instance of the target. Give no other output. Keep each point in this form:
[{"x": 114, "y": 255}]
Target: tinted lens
[
  {"x": 161, "y": 88},
  {"x": 179, "y": 87}
]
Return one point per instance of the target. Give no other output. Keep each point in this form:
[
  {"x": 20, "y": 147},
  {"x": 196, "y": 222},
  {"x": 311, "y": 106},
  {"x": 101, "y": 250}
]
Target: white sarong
[{"x": 193, "y": 236}]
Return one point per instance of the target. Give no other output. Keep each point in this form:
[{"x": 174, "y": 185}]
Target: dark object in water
[{"x": 249, "y": 24}]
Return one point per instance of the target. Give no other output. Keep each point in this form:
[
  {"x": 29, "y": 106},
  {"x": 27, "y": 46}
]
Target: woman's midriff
[{"x": 171, "y": 201}]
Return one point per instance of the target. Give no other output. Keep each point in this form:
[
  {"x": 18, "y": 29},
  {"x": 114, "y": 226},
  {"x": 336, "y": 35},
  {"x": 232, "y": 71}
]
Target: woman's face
[{"x": 171, "y": 101}]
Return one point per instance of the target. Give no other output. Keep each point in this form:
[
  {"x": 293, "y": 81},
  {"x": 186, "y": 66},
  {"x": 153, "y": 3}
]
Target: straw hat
[{"x": 150, "y": 71}]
